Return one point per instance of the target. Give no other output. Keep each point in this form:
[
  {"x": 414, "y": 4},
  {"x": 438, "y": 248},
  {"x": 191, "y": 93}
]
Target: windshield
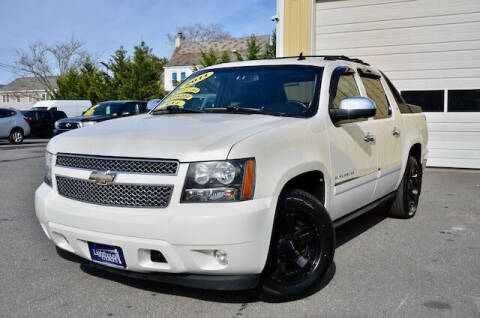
[
  {"x": 274, "y": 90},
  {"x": 104, "y": 109}
]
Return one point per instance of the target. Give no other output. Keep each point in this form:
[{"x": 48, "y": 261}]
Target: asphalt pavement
[{"x": 428, "y": 266}]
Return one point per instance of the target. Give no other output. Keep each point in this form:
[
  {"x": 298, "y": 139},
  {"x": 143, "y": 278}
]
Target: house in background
[
  {"x": 23, "y": 92},
  {"x": 430, "y": 49},
  {"x": 188, "y": 54}
]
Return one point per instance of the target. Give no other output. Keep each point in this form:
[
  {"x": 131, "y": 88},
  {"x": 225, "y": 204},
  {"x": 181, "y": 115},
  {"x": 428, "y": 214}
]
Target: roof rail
[{"x": 327, "y": 57}]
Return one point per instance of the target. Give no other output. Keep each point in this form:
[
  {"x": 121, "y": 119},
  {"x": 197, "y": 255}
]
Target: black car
[
  {"x": 42, "y": 122},
  {"x": 101, "y": 112}
]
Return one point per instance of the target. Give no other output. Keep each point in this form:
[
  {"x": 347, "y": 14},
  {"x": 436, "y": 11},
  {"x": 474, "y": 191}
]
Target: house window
[
  {"x": 183, "y": 75},
  {"x": 5, "y": 99},
  {"x": 44, "y": 96},
  {"x": 30, "y": 98},
  {"x": 465, "y": 100},
  {"x": 18, "y": 99},
  {"x": 430, "y": 101},
  {"x": 174, "y": 76}
]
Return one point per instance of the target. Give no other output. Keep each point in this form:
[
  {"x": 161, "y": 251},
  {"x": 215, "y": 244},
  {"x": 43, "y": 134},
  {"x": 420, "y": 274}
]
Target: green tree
[
  {"x": 253, "y": 50},
  {"x": 122, "y": 77},
  {"x": 208, "y": 58}
]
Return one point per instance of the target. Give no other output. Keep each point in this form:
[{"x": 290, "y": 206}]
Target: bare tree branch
[
  {"x": 200, "y": 32},
  {"x": 43, "y": 61}
]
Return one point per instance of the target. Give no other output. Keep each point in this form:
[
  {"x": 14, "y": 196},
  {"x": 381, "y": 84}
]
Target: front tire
[
  {"x": 404, "y": 206},
  {"x": 16, "y": 136},
  {"x": 301, "y": 249}
]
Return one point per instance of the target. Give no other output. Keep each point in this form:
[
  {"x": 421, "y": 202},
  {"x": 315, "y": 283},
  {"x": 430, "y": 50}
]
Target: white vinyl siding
[{"x": 420, "y": 45}]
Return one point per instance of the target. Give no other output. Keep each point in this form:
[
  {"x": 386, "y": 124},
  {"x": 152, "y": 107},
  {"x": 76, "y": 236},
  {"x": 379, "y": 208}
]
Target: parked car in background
[
  {"x": 13, "y": 125},
  {"x": 42, "y": 122},
  {"x": 70, "y": 107},
  {"x": 101, "y": 112}
]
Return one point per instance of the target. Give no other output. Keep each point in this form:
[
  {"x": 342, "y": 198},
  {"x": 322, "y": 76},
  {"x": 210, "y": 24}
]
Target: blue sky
[{"x": 105, "y": 25}]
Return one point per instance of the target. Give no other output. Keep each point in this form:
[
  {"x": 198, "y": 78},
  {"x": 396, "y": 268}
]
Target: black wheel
[
  {"x": 16, "y": 136},
  {"x": 301, "y": 250},
  {"x": 404, "y": 206}
]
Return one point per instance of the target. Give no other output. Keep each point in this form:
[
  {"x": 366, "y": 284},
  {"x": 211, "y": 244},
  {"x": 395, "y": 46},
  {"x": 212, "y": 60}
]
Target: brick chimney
[{"x": 179, "y": 39}]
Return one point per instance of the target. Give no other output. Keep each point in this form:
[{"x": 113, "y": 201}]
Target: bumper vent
[
  {"x": 115, "y": 194},
  {"x": 167, "y": 167}
]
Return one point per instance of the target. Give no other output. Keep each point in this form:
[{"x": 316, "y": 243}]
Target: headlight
[
  {"x": 48, "y": 168},
  {"x": 220, "y": 181},
  {"x": 88, "y": 123}
]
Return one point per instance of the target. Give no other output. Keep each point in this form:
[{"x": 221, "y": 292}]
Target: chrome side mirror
[{"x": 353, "y": 108}]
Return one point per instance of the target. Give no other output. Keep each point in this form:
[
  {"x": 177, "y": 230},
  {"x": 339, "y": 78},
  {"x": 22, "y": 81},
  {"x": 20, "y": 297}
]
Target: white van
[{"x": 71, "y": 107}]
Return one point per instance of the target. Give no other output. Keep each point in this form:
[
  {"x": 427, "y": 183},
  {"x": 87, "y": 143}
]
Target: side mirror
[{"x": 354, "y": 108}]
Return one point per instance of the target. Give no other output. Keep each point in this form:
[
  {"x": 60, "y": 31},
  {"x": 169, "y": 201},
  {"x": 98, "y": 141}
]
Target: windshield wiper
[
  {"x": 244, "y": 110},
  {"x": 175, "y": 109}
]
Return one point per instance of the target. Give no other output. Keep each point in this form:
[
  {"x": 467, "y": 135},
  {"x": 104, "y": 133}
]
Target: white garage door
[{"x": 430, "y": 49}]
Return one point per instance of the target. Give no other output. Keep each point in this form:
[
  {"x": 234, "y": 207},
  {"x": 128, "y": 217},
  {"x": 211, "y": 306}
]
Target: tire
[
  {"x": 301, "y": 249},
  {"x": 404, "y": 206},
  {"x": 16, "y": 136}
]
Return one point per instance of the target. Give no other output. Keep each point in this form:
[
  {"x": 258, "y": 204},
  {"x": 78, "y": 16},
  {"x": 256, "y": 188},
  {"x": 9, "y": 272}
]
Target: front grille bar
[{"x": 118, "y": 164}]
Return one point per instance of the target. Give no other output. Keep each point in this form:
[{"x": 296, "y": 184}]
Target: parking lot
[{"x": 428, "y": 266}]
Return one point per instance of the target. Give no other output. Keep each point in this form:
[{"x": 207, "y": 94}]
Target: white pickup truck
[{"x": 238, "y": 178}]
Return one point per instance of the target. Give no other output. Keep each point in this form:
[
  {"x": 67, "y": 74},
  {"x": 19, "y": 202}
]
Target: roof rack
[{"x": 328, "y": 58}]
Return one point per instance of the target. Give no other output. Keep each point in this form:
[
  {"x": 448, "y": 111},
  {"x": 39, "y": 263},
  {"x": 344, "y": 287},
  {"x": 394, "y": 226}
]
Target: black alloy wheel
[{"x": 302, "y": 248}]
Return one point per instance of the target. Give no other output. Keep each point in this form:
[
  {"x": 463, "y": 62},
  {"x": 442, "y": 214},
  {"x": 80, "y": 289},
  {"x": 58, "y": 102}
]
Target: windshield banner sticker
[{"x": 180, "y": 96}]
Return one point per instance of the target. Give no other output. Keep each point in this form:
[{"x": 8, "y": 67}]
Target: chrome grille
[
  {"x": 168, "y": 167},
  {"x": 115, "y": 194},
  {"x": 68, "y": 125}
]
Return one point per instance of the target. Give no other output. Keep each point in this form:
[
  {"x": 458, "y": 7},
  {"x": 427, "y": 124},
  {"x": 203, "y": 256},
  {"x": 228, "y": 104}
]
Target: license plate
[{"x": 106, "y": 254}]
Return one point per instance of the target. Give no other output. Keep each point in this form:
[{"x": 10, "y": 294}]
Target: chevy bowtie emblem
[{"x": 102, "y": 177}]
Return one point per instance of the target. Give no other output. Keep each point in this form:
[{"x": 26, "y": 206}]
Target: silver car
[{"x": 13, "y": 125}]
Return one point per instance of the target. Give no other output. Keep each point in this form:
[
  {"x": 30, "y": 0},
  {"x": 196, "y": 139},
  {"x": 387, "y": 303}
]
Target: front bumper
[{"x": 184, "y": 233}]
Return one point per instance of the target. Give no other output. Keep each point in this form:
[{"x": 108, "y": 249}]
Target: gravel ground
[{"x": 428, "y": 266}]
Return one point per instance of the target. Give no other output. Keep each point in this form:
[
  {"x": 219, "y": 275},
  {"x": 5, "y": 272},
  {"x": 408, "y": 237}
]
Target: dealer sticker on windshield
[{"x": 106, "y": 254}]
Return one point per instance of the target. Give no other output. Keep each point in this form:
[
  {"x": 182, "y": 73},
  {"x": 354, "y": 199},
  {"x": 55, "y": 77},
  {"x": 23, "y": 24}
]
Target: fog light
[{"x": 221, "y": 257}]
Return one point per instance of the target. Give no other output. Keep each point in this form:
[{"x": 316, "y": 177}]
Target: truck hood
[{"x": 184, "y": 137}]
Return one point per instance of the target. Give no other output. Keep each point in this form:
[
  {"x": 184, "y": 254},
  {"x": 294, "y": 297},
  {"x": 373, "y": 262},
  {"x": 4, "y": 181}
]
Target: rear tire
[
  {"x": 301, "y": 249},
  {"x": 16, "y": 136},
  {"x": 404, "y": 206}
]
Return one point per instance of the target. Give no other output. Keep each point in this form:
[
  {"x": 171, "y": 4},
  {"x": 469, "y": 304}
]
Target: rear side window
[
  {"x": 345, "y": 87},
  {"x": 375, "y": 91}
]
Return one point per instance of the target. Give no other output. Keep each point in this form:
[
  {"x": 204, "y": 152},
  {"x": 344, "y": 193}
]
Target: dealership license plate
[{"x": 107, "y": 254}]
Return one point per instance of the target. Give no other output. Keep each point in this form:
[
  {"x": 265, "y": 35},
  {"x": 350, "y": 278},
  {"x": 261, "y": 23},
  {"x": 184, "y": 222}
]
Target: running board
[{"x": 356, "y": 213}]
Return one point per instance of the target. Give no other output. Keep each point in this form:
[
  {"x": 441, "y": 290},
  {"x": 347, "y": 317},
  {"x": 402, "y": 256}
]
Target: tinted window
[
  {"x": 131, "y": 109},
  {"x": 347, "y": 87},
  {"x": 430, "y": 101},
  {"x": 104, "y": 109},
  {"x": 44, "y": 115},
  {"x": 464, "y": 100},
  {"x": 375, "y": 91},
  {"x": 59, "y": 115},
  {"x": 3, "y": 113}
]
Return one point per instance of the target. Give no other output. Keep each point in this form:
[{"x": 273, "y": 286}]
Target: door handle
[
  {"x": 395, "y": 132},
  {"x": 369, "y": 138}
]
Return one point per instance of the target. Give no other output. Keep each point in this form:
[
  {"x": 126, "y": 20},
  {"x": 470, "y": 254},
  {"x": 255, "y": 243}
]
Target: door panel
[{"x": 354, "y": 159}]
